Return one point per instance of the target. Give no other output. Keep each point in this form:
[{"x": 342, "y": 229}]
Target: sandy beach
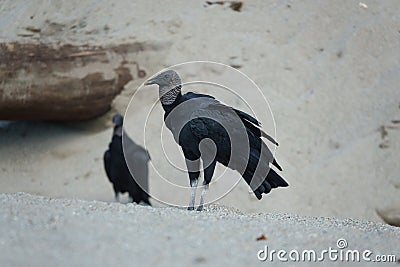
[
  {"x": 329, "y": 71},
  {"x": 78, "y": 233}
]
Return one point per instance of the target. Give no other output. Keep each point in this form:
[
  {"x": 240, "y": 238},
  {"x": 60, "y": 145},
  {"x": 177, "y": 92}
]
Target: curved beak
[{"x": 150, "y": 81}]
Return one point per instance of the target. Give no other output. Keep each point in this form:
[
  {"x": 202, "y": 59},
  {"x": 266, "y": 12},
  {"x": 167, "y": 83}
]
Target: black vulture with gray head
[
  {"x": 211, "y": 132},
  {"x": 117, "y": 168}
]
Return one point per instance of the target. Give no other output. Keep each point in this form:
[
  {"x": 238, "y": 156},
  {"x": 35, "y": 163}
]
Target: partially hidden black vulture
[
  {"x": 212, "y": 132},
  {"x": 117, "y": 168}
]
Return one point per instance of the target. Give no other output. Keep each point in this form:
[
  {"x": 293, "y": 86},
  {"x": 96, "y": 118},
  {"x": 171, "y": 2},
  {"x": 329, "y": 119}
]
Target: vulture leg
[
  {"x": 194, "y": 173},
  {"x": 202, "y": 197},
  {"x": 208, "y": 174},
  {"x": 116, "y": 192},
  {"x": 193, "y": 185}
]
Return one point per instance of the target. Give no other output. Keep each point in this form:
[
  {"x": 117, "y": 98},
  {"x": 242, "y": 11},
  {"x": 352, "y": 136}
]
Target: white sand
[
  {"x": 329, "y": 70},
  {"x": 39, "y": 231}
]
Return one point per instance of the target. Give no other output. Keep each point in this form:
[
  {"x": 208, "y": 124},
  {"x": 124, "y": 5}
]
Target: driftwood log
[{"x": 48, "y": 82}]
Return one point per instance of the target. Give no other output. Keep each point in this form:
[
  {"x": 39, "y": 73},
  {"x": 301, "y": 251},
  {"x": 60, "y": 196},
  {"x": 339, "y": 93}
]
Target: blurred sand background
[{"x": 330, "y": 71}]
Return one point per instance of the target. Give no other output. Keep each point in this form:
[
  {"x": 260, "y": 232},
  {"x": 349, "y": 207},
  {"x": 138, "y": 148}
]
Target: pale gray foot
[
  {"x": 193, "y": 185},
  {"x": 116, "y": 197},
  {"x": 202, "y": 197}
]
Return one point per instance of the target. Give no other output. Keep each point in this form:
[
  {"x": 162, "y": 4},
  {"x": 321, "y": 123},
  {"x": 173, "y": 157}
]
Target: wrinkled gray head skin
[
  {"x": 118, "y": 119},
  {"x": 169, "y": 84}
]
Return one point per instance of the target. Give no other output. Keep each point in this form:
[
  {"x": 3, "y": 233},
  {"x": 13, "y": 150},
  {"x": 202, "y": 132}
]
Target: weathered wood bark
[{"x": 44, "y": 82}]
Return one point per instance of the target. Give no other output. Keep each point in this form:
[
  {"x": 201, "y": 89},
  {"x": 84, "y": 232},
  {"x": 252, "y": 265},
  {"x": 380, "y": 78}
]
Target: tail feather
[
  {"x": 250, "y": 123},
  {"x": 273, "y": 180},
  {"x": 269, "y": 138},
  {"x": 261, "y": 182},
  {"x": 276, "y": 165},
  {"x": 277, "y": 180}
]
